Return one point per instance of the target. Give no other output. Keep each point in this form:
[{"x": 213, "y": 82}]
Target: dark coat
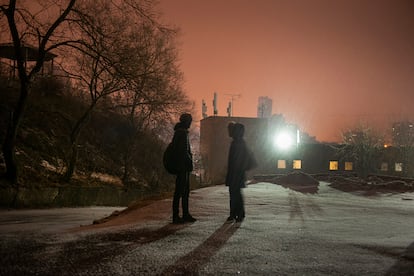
[
  {"x": 240, "y": 159},
  {"x": 182, "y": 148}
]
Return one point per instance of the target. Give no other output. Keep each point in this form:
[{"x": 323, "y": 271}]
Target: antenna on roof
[
  {"x": 215, "y": 104},
  {"x": 233, "y": 97},
  {"x": 204, "y": 109}
]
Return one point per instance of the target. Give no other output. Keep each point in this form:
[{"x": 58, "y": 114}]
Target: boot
[
  {"x": 177, "y": 220},
  {"x": 189, "y": 218}
]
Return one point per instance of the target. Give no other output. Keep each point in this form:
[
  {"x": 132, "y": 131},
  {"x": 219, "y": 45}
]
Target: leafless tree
[
  {"x": 113, "y": 50},
  {"x": 25, "y": 26},
  {"x": 361, "y": 144},
  {"x": 130, "y": 61},
  {"x": 154, "y": 94}
]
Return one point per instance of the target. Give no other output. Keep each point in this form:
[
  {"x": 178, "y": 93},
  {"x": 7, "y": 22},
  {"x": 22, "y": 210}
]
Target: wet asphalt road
[{"x": 286, "y": 232}]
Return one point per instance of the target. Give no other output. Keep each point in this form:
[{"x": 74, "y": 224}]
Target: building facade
[{"x": 308, "y": 156}]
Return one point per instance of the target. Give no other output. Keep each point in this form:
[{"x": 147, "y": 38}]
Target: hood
[{"x": 237, "y": 131}]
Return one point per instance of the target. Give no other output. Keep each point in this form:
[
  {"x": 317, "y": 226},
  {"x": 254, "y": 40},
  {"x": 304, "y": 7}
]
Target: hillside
[{"x": 111, "y": 151}]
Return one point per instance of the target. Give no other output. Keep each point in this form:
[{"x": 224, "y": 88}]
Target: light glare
[{"x": 283, "y": 140}]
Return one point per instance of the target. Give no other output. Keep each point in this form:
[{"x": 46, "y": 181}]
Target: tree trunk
[
  {"x": 125, "y": 177},
  {"x": 71, "y": 163},
  {"x": 9, "y": 154},
  {"x": 9, "y": 144},
  {"x": 73, "y": 155}
]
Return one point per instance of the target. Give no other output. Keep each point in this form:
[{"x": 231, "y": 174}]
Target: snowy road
[{"x": 285, "y": 233}]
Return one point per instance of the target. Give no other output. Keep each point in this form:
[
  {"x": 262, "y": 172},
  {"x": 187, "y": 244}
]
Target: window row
[
  {"x": 297, "y": 165},
  {"x": 334, "y": 165},
  {"x": 398, "y": 167}
]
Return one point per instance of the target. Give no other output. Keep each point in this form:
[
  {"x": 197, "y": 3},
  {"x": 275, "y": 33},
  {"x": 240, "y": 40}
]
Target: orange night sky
[{"x": 326, "y": 64}]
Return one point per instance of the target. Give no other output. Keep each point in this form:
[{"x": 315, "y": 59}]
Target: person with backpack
[
  {"x": 240, "y": 160},
  {"x": 183, "y": 160}
]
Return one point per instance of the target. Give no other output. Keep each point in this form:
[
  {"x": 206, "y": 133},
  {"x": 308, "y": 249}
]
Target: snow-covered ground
[{"x": 286, "y": 232}]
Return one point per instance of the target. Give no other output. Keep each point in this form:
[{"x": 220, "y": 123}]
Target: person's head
[
  {"x": 186, "y": 119},
  {"x": 237, "y": 131},
  {"x": 230, "y": 128}
]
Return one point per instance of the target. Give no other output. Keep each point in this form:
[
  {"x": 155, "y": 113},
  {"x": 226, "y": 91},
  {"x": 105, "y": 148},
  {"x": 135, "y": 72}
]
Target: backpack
[{"x": 169, "y": 159}]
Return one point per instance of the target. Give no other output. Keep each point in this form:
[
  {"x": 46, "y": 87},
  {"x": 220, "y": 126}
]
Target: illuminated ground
[{"x": 286, "y": 232}]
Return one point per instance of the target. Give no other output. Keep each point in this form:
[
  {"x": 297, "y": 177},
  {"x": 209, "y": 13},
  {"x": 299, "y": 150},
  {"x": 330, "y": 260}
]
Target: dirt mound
[
  {"x": 372, "y": 185},
  {"x": 298, "y": 178},
  {"x": 297, "y": 181}
]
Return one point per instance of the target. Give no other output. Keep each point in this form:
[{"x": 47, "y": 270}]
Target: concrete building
[{"x": 261, "y": 135}]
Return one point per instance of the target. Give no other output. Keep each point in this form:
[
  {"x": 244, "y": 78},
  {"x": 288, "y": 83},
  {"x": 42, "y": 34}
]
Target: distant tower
[
  {"x": 204, "y": 109},
  {"x": 215, "y": 104},
  {"x": 264, "y": 108}
]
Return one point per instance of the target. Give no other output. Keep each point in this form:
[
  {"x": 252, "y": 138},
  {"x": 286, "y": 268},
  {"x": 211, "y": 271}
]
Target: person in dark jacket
[
  {"x": 184, "y": 167},
  {"x": 240, "y": 160}
]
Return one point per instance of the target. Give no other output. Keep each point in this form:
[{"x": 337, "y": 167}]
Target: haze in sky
[{"x": 328, "y": 65}]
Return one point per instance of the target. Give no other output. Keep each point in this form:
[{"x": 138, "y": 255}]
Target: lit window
[
  {"x": 384, "y": 166},
  {"x": 333, "y": 165},
  {"x": 348, "y": 166},
  {"x": 297, "y": 164},
  {"x": 281, "y": 164},
  {"x": 398, "y": 167}
]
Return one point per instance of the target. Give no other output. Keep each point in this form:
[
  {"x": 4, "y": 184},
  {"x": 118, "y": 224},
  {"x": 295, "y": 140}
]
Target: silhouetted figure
[
  {"x": 240, "y": 160},
  {"x": 184, "y": 167}
]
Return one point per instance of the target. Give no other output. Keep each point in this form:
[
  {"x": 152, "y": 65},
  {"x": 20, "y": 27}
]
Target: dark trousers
[
  {"x": 182, "y": 191},
  {"x": 236, "y": 203}
]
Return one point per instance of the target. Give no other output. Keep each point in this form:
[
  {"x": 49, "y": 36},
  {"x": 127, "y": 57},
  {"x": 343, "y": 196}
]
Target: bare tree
[
  {"x": 154, "y": 92},
  {"x": 92, "y": 64},
  {"x": 129, "y": 60},
  {"x": 27, "y": 27},
  {"x": 113, "y": 50},
  {"x": 361, "y": 145}
]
